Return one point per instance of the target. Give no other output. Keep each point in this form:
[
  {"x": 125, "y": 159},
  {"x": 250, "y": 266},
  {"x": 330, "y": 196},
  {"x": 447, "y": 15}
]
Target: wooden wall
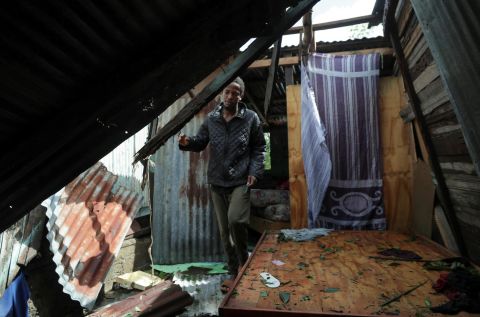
[
  {"x": 397, "y": 154},
  {"x": 462, "y": 181}
]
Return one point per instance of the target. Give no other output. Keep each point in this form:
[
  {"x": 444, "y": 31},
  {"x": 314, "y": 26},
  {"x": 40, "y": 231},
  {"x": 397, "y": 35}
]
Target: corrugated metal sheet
[
  {"x": 184, "y": 227},
  {"x": 119, "y": 162},
  {"x": 81, "y": 73},
  {"x": 88, "y": 221},
  {"x": 19, "y": 244},
  {"x": 164, "y": 299}
]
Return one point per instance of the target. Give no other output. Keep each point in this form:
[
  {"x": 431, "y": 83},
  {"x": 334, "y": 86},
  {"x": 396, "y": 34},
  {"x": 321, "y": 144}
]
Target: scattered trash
[
  {"x": 399, "y": 253},
  {"x": 263, "y": 294},
  {"x": 271, "y": 250},
  {"x": 302, "y": 234},
  {"x": 137, "y": 280},
  {"x": 213, "y": 267},
  {"x": 278, "y": 262},
  {"x": 302, "y": 265},
  {"x": 269, "y": 280},
  {"x": 284, "y": 297},
  {"x": 331, "y": 290},
  {"x": 397, "y": 297},
  {"x": 428, "y": 303},
  {"x": 305, "y": 298}
]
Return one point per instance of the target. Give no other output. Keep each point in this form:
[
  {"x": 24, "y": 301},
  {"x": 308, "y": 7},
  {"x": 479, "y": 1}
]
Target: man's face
[{"x": 231, "y": 95}]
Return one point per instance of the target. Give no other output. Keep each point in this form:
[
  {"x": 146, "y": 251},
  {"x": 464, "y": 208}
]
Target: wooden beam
[
  {"x": 283, "y": 61},
  {"x": 441, "y": 188},
  {"x": 230, "y": 72},
  {"x": 308, "y": 43},
  {"x": 336, "y": 24},
  {"x": 272, "y": 73},
  {"x": 297, "y": 179}
]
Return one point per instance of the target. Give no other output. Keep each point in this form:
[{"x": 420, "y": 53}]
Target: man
[{"x": 237, "y": 147}]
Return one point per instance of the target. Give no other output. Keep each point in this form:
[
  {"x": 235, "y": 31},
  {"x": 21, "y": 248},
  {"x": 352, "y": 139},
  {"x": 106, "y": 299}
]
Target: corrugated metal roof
[
  {"x": 88, "y": 221},
  {"x": 163, "y": 299},
  {"x": 184, "y": 225},
  {"x": 77, "y": 78},
  {"x": 19, "y": 245}
]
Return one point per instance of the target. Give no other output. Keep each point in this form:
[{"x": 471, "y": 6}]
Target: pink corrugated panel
[{"x": 88, "y": 221}]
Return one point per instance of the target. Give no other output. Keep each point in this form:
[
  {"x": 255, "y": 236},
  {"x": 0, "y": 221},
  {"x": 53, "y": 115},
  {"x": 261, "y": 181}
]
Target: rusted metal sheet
[
  {"x": 162, "y": 300},
  {"x": 184, "y": 225},
  {"x": 19, "y": 244},
  {"x": 88, "y": 221}
]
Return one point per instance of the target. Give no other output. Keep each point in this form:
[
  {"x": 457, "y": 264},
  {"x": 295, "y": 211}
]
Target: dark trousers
[{"x": 232, "y": 208}]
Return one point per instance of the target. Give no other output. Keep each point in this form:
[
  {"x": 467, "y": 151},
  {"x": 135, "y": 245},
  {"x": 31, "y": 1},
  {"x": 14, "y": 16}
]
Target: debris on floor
[
  {"x": 137, "y": 280},
  {"x": 164, "y": 299}
]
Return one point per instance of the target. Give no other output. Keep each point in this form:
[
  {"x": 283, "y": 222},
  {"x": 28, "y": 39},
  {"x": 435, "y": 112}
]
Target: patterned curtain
[{"x": 346, "y": 93}]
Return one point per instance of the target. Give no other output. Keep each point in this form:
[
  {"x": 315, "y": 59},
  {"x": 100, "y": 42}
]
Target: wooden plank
[
  {"x": 283, "y": 61},
  {"x": 412, "y": 37},
  {"x": 334, "y": 275},
  {"x": 426, "y": 77},
  {"x": 397, "y": 155},
  {"x": 336, "y": 24},
  {"x": 417, "y": 52},
  {"x": 444, "y": 229},
  {"x": 450, "y": 144},
  {"x": 405, "y": 15},
  {"x": 433, "y": 96},
  {"x": 260, "y": 224},
  {"x": 423, "y": 199},
  {"x": 297, "y": 180},
  {"x": 272, "y": 74}
]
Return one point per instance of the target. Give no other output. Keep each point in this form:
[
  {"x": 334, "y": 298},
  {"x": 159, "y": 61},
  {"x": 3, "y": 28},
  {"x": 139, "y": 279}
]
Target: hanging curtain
[
  {"x": 316, "y": 159},
  {"x": 346, "y": 93}
]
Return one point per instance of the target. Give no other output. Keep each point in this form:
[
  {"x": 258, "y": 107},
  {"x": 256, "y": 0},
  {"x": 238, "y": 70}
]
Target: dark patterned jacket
[{"x": 237, "y": 147}]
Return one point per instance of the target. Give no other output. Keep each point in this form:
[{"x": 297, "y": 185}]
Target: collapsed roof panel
[
  {"x": 87, "y": 224},
  {"x": 80, "y": 77}
]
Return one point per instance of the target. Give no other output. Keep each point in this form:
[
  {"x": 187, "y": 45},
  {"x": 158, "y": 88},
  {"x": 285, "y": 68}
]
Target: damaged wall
[
  {"x": 184, "y": 227},
  {"x": 448, "y": 140}
]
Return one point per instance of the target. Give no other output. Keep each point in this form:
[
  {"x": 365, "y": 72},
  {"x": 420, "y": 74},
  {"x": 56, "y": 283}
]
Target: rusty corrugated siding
[
  {"x": 19, "y": 244},
  {"x": 88, "y": 221},
  {"x": 184, "y": 227},
  {"x": 164, "y": 299}
]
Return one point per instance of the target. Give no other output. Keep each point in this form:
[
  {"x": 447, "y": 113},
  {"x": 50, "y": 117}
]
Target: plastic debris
[
  {"x": 269, "y": 280},
  {"x": 302, "y": 234}
]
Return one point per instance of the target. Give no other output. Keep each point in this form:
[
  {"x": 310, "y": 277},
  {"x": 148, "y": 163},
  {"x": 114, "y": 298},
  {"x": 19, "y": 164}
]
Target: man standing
[{"x": 237, "y": 147}]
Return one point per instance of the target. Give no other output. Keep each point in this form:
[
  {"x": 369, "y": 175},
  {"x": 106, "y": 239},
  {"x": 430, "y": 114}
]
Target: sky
[{"x": 333, "y": 10}]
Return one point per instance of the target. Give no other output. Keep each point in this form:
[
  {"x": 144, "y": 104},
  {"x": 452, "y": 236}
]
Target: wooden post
[{"x": 297, "y": 180}]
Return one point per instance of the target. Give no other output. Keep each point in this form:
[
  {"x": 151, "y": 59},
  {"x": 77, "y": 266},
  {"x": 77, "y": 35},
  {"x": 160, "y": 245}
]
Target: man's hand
[
  {"x": 251, "y": 180},
  {"x": 183, "y": 139}
]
